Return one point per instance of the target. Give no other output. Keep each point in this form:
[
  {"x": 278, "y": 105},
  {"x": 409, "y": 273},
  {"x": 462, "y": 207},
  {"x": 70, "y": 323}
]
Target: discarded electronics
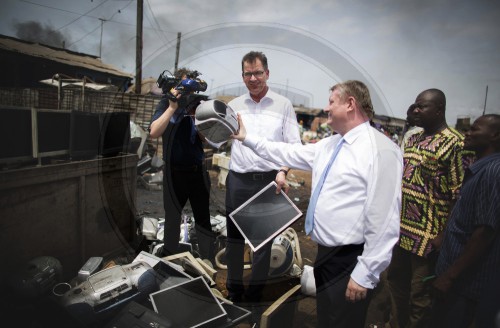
[
  {"x": 216, "y": 121},
  {"x": 153, "y": 230},
  {"x": 135, "y": 315},
  {"x": 264, "y": 216},
  {"x": 37, "y": 277},
  {"x": 144, "y": 164},
  {"x": 286, "y": 257},
  {"x": 152, "y": 181},
  {"x": 189, "y": 304},
  {"x": 180, "y": 301},
  {"x": 138, "y": 133},
  {"x": 106, "y": 291},
  {"x": 90, "y": 267}
]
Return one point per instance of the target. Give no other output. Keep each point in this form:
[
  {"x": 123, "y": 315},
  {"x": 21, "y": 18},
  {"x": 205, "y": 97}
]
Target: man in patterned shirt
[
  {"x": 434, "y": 165},
  {"x": 468, "y": 266}
]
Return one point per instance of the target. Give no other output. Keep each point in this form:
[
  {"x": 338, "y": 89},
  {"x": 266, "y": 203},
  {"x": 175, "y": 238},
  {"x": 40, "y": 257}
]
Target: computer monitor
[
  {"x": 115, "y": 133},
  {"x": 16, "y": 135},
  {"x": 53, "y": 127},
  {"x": 264, "y": 216},
  {"x": 189, "y": 304},
  {"x": 85, "y": 130}
]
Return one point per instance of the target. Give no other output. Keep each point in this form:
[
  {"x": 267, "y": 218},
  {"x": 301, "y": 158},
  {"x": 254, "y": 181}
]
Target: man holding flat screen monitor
[
  {"x": 268, "y": 114},
  {"x": 353, "y": 212}
]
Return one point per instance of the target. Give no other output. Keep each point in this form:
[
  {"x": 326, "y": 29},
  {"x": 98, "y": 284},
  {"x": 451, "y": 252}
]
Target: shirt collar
[
  {"x": 353, "y": 134},
  {"x": 268, "y": 95}
]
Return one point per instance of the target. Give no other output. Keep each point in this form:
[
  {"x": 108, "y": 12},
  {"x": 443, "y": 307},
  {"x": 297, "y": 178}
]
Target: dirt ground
[{"x": 149, "y": 203}]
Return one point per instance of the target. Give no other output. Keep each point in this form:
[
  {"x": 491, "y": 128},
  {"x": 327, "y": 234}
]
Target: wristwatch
[{"x": 284, "y": 171}]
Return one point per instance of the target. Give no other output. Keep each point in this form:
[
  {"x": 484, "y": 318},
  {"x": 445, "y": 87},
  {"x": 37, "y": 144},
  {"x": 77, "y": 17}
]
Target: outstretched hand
[{"x": 242, "y": 132}]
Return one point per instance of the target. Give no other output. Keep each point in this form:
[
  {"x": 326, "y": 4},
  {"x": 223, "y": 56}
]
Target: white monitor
[{"x": 264, "y": 216}]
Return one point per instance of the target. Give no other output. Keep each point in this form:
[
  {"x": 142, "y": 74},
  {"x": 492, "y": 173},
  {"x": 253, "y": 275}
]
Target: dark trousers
[
  {"x": 453, "y": 311},
  {"x": 239, "y": 188},
  {"x": 179, "y": 186},
  {"x": 332, "y": 270},
  {"x": 410, "y": 294}
]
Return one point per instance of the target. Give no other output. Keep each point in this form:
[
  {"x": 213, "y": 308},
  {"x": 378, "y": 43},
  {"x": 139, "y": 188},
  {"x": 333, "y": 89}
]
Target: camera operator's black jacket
[{"x": 181, "y": 144}]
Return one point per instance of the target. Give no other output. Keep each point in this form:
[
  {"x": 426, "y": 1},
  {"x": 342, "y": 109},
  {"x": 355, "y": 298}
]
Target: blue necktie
[{"x": 314, "y": 198}]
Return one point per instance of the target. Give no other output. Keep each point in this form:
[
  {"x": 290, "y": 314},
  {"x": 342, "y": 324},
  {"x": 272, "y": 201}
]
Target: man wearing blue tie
[{"x": 353, "y": 212}]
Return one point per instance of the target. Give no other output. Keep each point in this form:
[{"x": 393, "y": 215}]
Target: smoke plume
[{"x": 45, "y": 34}]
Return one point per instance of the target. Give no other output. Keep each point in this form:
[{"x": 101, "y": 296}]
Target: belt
[{"x": 258, "y": 176}]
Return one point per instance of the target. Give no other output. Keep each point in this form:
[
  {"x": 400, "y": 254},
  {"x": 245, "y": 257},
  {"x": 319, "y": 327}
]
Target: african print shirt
[{"x": 433, "y": 171}]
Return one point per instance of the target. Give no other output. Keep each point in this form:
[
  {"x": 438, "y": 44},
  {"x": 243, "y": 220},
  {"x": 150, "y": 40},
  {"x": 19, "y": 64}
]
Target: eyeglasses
[{"x": 257, "y": 74}]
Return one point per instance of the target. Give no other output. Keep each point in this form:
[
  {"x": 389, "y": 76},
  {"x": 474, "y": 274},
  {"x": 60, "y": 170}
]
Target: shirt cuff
[{"x": 363, "y": 277}]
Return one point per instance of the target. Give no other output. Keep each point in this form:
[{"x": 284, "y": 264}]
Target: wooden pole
[
  {"x": 485, "y": 99},
  {"x": 138, "y": 49},
  {"x": 177, "y": 50}
]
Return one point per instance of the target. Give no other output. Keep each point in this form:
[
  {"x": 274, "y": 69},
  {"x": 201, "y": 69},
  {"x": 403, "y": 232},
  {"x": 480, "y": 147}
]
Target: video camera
[{"x": 166, "y": 81}]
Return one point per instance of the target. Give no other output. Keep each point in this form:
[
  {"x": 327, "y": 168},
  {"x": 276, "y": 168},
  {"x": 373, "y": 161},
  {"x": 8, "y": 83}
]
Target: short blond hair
[{"x": 359, "y": 91}]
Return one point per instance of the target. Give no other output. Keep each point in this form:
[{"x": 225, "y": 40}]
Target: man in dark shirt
[
  {"x": 469, "y": 259},
  {"x": 185, "y": 177}
]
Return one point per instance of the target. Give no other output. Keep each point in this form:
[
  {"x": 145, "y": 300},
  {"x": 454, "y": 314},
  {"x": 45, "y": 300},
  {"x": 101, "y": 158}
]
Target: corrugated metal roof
[{"x": 60, "y": 55}]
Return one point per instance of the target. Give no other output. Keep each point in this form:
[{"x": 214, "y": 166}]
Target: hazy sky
[{"x": 399, "y": 47}]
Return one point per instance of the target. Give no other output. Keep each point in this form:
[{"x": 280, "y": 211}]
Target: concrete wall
[{"x": 69, "y": 211}]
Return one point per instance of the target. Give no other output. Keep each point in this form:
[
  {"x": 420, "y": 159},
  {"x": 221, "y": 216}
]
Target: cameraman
[{"x": 185, "y": 176}]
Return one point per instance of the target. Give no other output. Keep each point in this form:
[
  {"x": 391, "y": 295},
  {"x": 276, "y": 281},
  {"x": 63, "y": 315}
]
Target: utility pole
[
  {"x": 177, "y": 50},
  {"x": 100, "y": 43},
  {"x": 138, "y": 49},
  {"x": 485, "y": 98}
]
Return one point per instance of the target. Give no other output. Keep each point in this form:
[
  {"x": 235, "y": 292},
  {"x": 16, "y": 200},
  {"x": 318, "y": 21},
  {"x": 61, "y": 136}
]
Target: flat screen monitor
[
  {"x": 53, "y": 131},
  {"x": 85, "y": 129},
  {"x": 189, "y": 304},
  {"x": 16, "y": 137},
  {"x": 115, "y": 133},
  {"x": 235, "y": 314},
  {"x": 264, "y": 216}
]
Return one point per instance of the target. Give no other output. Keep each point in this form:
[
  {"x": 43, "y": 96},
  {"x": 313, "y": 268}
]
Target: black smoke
[{"x": 44, "y": 34}]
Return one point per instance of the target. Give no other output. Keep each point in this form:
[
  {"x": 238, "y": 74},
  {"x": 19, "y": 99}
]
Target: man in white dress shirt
[
  {"x": 356, "y": 219},
  {"x": 266, "y": 114}
]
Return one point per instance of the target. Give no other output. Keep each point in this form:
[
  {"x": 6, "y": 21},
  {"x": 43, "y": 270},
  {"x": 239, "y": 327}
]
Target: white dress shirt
[
  {"x": 361, "y": 197},
  {"x": 273, "y": 118}
]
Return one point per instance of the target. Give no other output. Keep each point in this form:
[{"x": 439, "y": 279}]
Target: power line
[
  {"x": 81, "y": 15},
  {"x": 156, "y": 23},
  {"x": 91, "y": 16}
]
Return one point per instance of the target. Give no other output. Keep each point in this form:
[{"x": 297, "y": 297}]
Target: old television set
[{"x": 264, "y": 216}]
